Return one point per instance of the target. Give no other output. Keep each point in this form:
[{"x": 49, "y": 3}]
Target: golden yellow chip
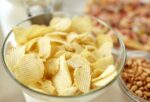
[
  {"x": 102, "y": 38},
  {"x": 68, "y": 92},
  {"x": 104, "y": 81},
  {"x": 88, "y": 55},
  {"x": 38, "y": 30},
  {"x": 59, "y": 53},
  {"x": 72, "y": 36},
  {"x": 13, "y": 56},
  {"x": 52, "y": 67},
  {"x": 20, "y": 35},
  {"x": 82, "y": 78},
  {"x": 60, "y": 24},
  {"x": 109, "y": 70},
  {"x": 29, "y": 69},
  {"x": 77, "y": 61},
  {"x": 102, "y": 63},
  {"x": 30, "y": 45},
  {"x": 44, "y": 47},
  {"x": 48, "y": 87},
  {"x": 57, "y": 33},
  {"x": 78, "y": 48},
  {"x": 104, "y": 50},
  {"x": 62, "y": 79},
  {"x": 81, "y": 24}
]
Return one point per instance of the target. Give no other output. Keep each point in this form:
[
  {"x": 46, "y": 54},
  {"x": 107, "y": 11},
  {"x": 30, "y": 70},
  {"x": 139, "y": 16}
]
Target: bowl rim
[{"x": 123, "y": 52}]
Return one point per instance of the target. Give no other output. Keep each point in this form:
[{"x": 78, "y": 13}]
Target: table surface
[{"x": 12, "y": 92}]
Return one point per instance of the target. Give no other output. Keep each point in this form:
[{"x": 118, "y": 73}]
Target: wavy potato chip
[
  {"x": 102, "y": 63},
  {"x": 44, "y": 47},
  {"x": 20, "y": 35},
  {"x": 62, "y": 79},
  {"x": 52, "y": 67},
  {"x": 104, "y": 81},
  {"x": 38, "y": 89},
  {"x": 68, "y": 92},
  {"x": 109, "y": 70},
  {"x": 48, "y": 87},
  {"x": 60, "y": 24},
  {"x": 38, "y": 30},
  {"x": 104, "y": 50},
  {"x": 77, "y": 47},
  {"x": 77, "y": 61},
  {"x": 81, "y": 24},
  {"x": 88, "y": 55},
  {"x": 102, "y": 38},
  {"x": 57, "y": 33},
  {"x": 58, "y": 40},
  {"x": 72, "y": 36},
  {"x": 29, "y": 69},
  {"x": 13, "y": 56},
  {"x": 82, "y": 78},
  {"x": 30, "y": 45}
]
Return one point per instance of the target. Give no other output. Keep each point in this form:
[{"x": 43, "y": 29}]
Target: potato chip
[
  {"x": 38, "y": 30},
  {"x": 29, "y": 69},
  {"x": 102, "y": 63},
  {"x": 60, "y": 24},
  {"x": 97, "y": 30},
  {"x": 30, "y": 45},
  {"x": 38, "y": 89},
  {"x": 59, "y": 53},
  {"x": 82, "y": 78},
  {"x": 52, "y": 67},
  {"x": 81, "y": 24},
  {"x": 69, "y": 47},
  {"x": 78, "y": 48},
  {"x": 58, "y": 40},
  {"x": 13, "y": 56},
  {"x": 62, "y": 79},
  {"x": 44, "y": 47},
  {"x": 88, "y": 55},
  {"x": 104, "y": 50},
  {"x": 104, "y": 81},
  {"x": 48, "y": 87},
  {"x": 103, "y": 38},
  {"x": 20, "y": 35},
  {"x": 57, "y": 33},
  {"x": 90, "y": 47},
  {"x": 96, "y": 73},
  {"x": 68, "y": 92},
  {"x": 77, "y": 61},
  {"x": 72, "y": 36},
  {"x": 86, "y": 38},
  {"x": 109, "y": 70}
]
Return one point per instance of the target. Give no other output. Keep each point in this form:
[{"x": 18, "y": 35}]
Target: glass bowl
[
  {"x": 122, "y": 84},
  {"x": 43, "y": 19}
]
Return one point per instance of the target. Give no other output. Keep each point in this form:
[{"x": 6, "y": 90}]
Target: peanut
[{"x": 136, "y": 76}]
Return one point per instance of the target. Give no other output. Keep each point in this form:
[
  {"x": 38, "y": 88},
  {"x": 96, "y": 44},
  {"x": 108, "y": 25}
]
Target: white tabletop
[{"x": 11, "y": 14}]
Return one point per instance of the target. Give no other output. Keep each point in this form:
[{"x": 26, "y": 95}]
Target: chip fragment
[
  {"x": 44, "y": 47},
  {"x": 82, "y": 78},
  {"x": 13, "y": 56},
  {"x": 60, "y": 24},
  {"x": 62, "y": 79}
]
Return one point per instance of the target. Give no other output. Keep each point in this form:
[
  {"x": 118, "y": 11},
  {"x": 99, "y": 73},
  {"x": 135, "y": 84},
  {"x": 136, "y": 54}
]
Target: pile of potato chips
[{"x": 64, "y": 59}]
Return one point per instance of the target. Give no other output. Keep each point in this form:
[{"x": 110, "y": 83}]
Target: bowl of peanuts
[{"x": 135, "y": 78}]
